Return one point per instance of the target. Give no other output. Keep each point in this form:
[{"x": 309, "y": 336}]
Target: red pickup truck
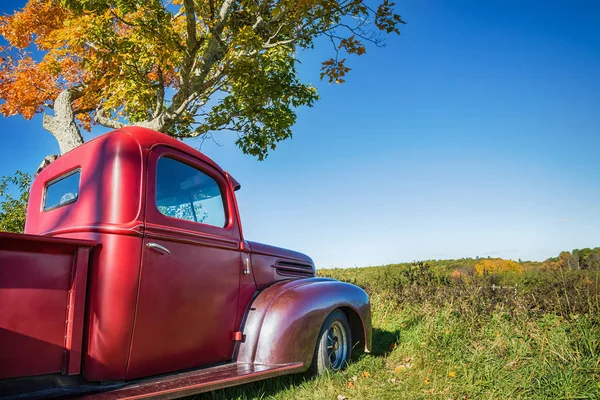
[{"x": 133, "y": 280}]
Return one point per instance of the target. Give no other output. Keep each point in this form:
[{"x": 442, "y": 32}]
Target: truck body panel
[
  {"x": 272, "y": 264},
  {"x": 139, "y": 267},
  {"x": 42, "y": 299},
  {"x": 284, "y": 321},
  {"x": 174, "y": 328}
]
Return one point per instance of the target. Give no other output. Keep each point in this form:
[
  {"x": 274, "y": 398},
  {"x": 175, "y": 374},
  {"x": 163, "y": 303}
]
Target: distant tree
[
  {"x": 575, "y": 259},
  {"x": 497, "y": 265},
  {"x": 566, "y": 260},
  {"x": 183, "y": 67},
  {"x": 584, "y": 257},
  {"x": 594, "y": 258},
  {"x": 550, "y": 265},
  {"x": 14, "y": 208}
]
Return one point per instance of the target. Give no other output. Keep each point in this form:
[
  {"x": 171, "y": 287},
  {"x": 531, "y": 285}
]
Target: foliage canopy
[
  {"x": 14, "y": 209},
  {"x": 183, "y": 67}
]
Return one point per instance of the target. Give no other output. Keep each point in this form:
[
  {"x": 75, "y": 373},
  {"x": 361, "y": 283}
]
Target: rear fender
[{"x": 283, "y": 322}]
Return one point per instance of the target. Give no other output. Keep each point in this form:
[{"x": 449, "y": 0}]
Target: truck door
[{"x": 191, "y": 265}]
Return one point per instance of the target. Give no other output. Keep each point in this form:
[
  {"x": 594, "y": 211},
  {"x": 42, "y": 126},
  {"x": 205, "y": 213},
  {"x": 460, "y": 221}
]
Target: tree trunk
[{"x": 62, "y": 125}]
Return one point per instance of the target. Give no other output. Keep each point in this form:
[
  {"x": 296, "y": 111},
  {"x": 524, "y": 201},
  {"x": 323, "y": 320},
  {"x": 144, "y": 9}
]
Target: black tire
[{"x": 333, "y": 348}]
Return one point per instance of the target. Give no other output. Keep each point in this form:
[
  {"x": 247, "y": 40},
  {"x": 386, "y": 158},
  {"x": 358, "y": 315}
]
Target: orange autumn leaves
[
  {"x": 35, "y": 22},
  {"x": 50, "y": 48},
  {"x": 27, "y": 86},
  {"x": 24, "y": 87}
]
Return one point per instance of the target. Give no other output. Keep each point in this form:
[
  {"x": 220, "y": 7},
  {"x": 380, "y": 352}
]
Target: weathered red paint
[
  {"x": 265, "y": 260},
  {"x": 170, "y": 331},
  {"x": 148, "y": 313},
  {"x": 42, "y": 299},
  {"x": 283, "y": 323}
]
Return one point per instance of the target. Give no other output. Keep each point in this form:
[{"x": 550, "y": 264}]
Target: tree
[
  {"x": 584, "y": 257},
  {"x": 184, "y": 67},
  {"x": 566, "y": 260},
  {"x": 594, "y": 259},
  {"x": 575, "y": 259},
  {"x": 497, "y": 265},
  {"x": 13, "y": 209}
]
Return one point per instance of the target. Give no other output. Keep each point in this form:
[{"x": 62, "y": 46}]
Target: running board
[{"x": 192, "y": 382}]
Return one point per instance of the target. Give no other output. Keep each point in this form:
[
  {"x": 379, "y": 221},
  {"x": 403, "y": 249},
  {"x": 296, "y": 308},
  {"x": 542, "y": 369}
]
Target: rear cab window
[{"x": 62, "y": 190}]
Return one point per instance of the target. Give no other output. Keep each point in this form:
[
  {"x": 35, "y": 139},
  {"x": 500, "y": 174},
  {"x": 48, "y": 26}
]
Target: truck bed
[{"x": 42, "y": 304}]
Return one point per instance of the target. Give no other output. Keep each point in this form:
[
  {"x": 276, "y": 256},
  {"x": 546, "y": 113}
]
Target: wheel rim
[{"x": 337, "y": 348}]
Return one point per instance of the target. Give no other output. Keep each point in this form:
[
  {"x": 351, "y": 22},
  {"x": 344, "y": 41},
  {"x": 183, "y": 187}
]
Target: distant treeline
[{"x": 577, "y": 259}]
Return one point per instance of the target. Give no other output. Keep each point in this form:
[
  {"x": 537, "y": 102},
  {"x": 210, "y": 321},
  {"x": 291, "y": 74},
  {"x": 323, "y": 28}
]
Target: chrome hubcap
[{"x": 337, "y": 349}]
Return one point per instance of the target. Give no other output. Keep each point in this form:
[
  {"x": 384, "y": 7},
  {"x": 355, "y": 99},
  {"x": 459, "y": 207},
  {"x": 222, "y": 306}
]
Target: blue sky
[{"x": 474, "y": 133}]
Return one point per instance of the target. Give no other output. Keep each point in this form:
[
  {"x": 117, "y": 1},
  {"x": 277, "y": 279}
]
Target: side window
[
  {"x": 62, "y": 191},
  {"x": 186, "y": 193}
]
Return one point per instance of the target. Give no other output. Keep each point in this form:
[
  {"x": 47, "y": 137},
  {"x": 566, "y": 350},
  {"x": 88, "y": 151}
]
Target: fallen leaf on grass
[
  {"x": 427, "y": 381},
  {"x": 400, "y": 368},
  {"x": 341, "y": 397},
  {"x": 452, "y": 374},
  {"x": 366, "y": 374},
  {"x": 350, "y": 384}
]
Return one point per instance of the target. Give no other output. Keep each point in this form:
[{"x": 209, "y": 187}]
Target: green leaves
[
  {"x": 14, "y": 209},
  {"x": 335, "y": 70},
  {"x": 263, "y": 92},
  {"x": 386, "y": 20},
  {"x": 185, "y": 67}
]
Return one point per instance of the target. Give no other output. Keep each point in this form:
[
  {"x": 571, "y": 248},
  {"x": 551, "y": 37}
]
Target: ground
[{"x": 440, "y": 334}]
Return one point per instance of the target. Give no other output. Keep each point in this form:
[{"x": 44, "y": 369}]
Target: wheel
[{"x": 333, "y": 345}]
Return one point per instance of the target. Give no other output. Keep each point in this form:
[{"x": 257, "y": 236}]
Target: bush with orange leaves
[{"x": 497, "y": 265}]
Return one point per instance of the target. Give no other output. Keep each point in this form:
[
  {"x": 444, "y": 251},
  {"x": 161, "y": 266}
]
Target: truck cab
[{"x": 159, "y": 277}]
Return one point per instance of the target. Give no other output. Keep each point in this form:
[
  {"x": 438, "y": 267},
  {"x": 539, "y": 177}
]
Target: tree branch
[
  {"x": 211, "y": 5},
  {"x": 259, "y": 20},
  {"x": 62, "y": 125},
  {"x": 190, "y": 25},
  {"x": 101, "y": 118},
  {"x": 280, "y": 43},
  {"x": 214, "y": 52},
  {"x": 224, "y": 12},
  {"x": 160, "y": 99}
]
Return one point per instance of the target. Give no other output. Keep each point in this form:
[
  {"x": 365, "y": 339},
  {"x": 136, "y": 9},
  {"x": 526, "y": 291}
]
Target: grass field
[{"x": 442, "y": 334}]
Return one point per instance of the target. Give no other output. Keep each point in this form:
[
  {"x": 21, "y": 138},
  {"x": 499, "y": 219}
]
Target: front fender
[{"x": 283, "y": 322}]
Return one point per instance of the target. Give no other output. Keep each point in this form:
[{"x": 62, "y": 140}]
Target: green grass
[{"x": 443, "y": 338}]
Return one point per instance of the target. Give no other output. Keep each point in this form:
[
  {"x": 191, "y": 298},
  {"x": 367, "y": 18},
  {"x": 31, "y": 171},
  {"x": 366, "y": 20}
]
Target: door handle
[
  {"x": 246, "y": 264},
  {"x": 158, "y": 247}
]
